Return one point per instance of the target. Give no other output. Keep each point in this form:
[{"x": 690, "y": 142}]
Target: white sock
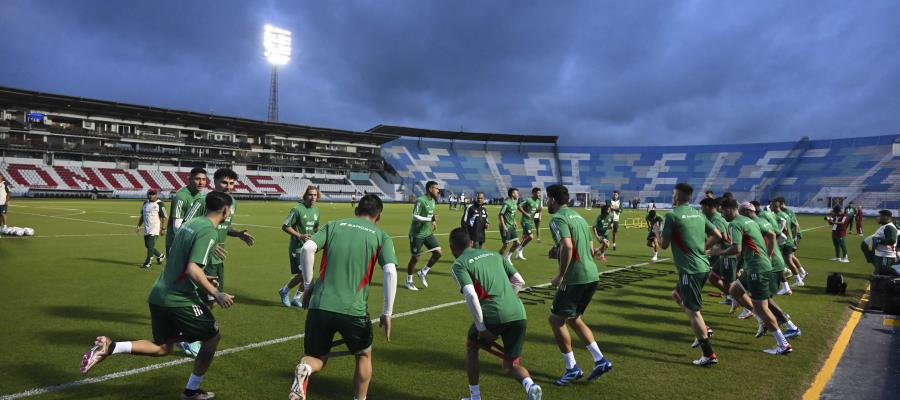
[
  {"x": 409, "y": 279},
  {"x": 569, "y": 358},
  {"x": 779, "y": 338},
  {"x": 790, "y": 325},
  {"x": 475, "y": 392},
  {"x": 527, "y": 383},
  {"x": 595, "y": 351},
  {"x": 122, "y": 347},
  {"x": 298, "y": 295},
  {"x": 758, "y": 318},
  {"x": 787, "y": 286},
  {"x": 194, "y": 382},
  {"x": 425, "y": 270},
  {"x": 802, "y": 271}
]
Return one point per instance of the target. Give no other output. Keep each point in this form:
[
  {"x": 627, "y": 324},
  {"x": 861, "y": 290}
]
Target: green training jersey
[
  {"x": 766, "y": 226},
  {"x": 602, "y": 223},
  {"x": 350, "y": 249},
  {"x": 722, "y": 225},
  {"x": 753, "y": 248},
  {"x": 489, "y": 273},
  {"x": 508, "y": 210},
  {"x": 180, "y": 204},
  {"x": 424, "y": 207},
  {"x": 567, "y": 223},
  {"x": 685, "y": 228},
  {"x": 198, "y": 209},
  {"x": 304, "y": 220},
  {"x": 654, "y": 223},
  {"x": 782, "y": 217},
  {"x": 530, "y": 206},
  {"x": 194, "y": 243}
]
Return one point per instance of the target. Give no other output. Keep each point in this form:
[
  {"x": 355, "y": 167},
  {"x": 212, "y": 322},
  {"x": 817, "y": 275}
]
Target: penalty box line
[{"x": 270, "y": 342}]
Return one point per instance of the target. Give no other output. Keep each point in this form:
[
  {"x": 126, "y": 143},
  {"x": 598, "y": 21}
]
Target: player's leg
[
  {"x": 690, "y": 289},
  {"x": 3, "y": 216},
  {"x": 615, "y": 233},
  {"x": 537, "y": 229},
  {"x": 296, "y": 278},
  {"x": 513, "y": 335},
  {"x": 837, "y": 247},
  {"x": 363, "y": 374},
  {"x": 415, "y": 244},
  {"x": 801, "y": 272},
  {"x": 148, "y": 245},
  {"x": 104, "y": 347},
  {"x": 435, "y": 248},
  {"x": 319, "y": 331},
  {"x": 527, "y": 230},
  {"x": 843, "y": 244}
]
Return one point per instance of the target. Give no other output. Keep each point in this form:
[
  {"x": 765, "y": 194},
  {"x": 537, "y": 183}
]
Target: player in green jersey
[
  {"x": 421, "y": 232},
  {"x": 153, "y": 219},
  {"x": 722, "y": 272},
  {"x": 301, "y": 223},
  {"x": 690, "y": 234},
  {"x": 337, "y": 301},
  {"x": 755, "y": 253},
  {"x": 527, "y": 208},
  {"x": 654, "y": 231},
  {"x": 884, "y": 243},
  {"x": 181, "y": 202},
  {"x": 508, "y": 223},
  {"x": 576, "y": 282},
  {"x": 177, "y": 312},
  {"x": 787, "y": 239},
  {"x": 602, "y": 227},
  {"x": 489, "y": 283}
]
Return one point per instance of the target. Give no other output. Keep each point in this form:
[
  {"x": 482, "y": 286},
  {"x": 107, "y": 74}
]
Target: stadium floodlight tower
[{"x": 277, "y": 45}]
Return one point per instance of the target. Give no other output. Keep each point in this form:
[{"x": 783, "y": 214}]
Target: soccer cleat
[
  {"x": 422, "y": 277},
  {"x": 534, "y": 392},
  {"x": 654, "y": 258},
  {"x": 835, "y": 259},
  {"x": 161, "y": 258},
  {"x": 603, "y": 257},
  {"x": 96, "y": 354},
  {"x": 411, "y": 286},
  {"x": 190, "y": 349},
  {"x": 790, "y": 333},
  {"x": 297, "y": 302},
  {"x": 845, "y": 260},
  {"x": 198, "y": 395},
  {"x": 745, "y": 314},
  {"x": 570, "y": 375},
  {"x": 727, "y": 301},
  {"x": 799, "y": 282},
  {"x": 734, "y": 306},
  {"x": 285, "y": 296},
  {"x": 146, "y": 266},
  {"x": 778, "y": 350},
  {"x": 614, "y": 246},
  {"x": 301, "y": 380},
  {"x": 600, "y": 367},
  {"x": 786, "y": 290},
  {"x": 803, "y": 274},
  {"x": 709, "y": 334},
  {"x": 520, "y": 256},
  {"x": 707, "y": 361}
]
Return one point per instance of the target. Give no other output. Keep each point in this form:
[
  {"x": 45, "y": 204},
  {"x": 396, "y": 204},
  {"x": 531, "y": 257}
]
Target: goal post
[{"x": 583, "y": 199}]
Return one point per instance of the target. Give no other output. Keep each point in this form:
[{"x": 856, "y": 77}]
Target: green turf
[{"x": 79, "y": 278}]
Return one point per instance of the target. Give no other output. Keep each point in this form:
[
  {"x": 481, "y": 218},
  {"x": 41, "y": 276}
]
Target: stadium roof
[
  {"x": 454, "y": 135},
  {"x": 79, "y": 105}
]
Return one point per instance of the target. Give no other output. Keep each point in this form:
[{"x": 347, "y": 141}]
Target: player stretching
[
  {"x": 337, "y": 301},
  {"x": 787, "y": 239},
  {"x": 301, "y": 223},
  {"x": 508, "y": 224},
  {"x": 690, "y": 234},
  {"x": 747, "y": 241},
  {"x": 496, "y": 310},
  {"x": 475, "y": 221},
  {"x": 177, "y": 312},
  {"x": 615, "y": 206},
  {"x": 421, "y": 231},
  {"x": 182, "y": 201},
  {"x": 153, "y": 217},
  {"x": 654, "y": 231},
  {"x": 601, "y": 230},
  {"x": 723, "y": 269},
  {"x": 576, "y": 282},
  {"x": 537, "y": 217},
  {"x": 528, "y": 207}
]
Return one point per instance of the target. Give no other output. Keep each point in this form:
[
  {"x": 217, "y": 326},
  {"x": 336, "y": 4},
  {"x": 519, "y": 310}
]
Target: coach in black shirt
[{"x": 475, "y": 221}]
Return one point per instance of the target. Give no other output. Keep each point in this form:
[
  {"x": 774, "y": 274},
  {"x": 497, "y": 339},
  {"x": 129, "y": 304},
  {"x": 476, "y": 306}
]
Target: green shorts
[
  {"x": 604, "y": 235},
  {"x": 512, "y": 235},
  {"x": 150, "y": 241},
  {"x": 787, "y": 249},
  {"x": 757, "y": 285},
  {"x": 728, "y": 269},
  {"x": 415, "y": 244},
  {"x": 176, "y": 324},
  {"x": 512, "y": 333},
  {"x": 883, "y": 265},
  {"x": 571, "y": 300},
  {"x": 527, "y": 228},
  {"x": 775, "y": 279},
  {"x": 690, "y": 288},
  {"x": 321, "y": 326},
  {"x": 3, "y": 208}
]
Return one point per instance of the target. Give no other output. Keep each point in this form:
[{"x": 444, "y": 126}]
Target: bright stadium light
[{"x": 277, "y": 45}]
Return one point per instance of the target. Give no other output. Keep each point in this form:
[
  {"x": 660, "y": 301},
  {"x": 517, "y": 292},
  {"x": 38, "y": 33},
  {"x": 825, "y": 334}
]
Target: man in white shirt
[
  {"x": 153, "y": 219},
  {"x": 615, "y": 207}
]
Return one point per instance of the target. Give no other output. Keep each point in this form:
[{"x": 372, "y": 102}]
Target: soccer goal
[{"x": 583, "y": 199}]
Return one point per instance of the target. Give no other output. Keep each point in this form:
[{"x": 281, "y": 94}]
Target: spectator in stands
[
  {"x": 95, "y": 193},
  {"x": 859, "y": 220},
  {"x": 5, "y": 195},
  {"x": 475, "y": 221},
  {"x": 840, "y": 222},
  {"x": 884, "y": 241}
]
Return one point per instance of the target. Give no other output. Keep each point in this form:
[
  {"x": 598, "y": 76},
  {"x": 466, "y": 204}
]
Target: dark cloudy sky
[{"x": 673, "y": 72}]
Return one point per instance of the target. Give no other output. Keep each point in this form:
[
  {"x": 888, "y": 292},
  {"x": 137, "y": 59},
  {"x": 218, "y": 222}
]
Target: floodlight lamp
[{"x": 277, "y": 45}]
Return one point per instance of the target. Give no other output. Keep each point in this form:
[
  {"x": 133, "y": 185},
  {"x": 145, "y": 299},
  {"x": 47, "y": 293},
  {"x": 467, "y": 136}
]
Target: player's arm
[
  {"x": 713, "y": 235},
  {"x": 199, "y": 277},
  {"x": 516, "y": 279},
  {"x": 388, "y": 260},
  {"x": 668, "y": 226},
  {"x": 243, "y": 235},
  {"x": 735, "y": 248},
  {"x": 770, "y": 238},
  {"x": 163, "y": 216},
  {"x": 565, "y": 257},
  {"x": 503, "y": 218},
  {"x": 177, "y": 213},
  {"x": 140, "y": 222}
]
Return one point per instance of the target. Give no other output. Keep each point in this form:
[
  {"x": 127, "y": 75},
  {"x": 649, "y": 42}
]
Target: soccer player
[
  {"x": 747, "y": 241},
  {"x": 182, "y": 201},
  {"x": 690, "y": 234},
  {"x": 787, "y": 240},
  {"x": 5, "y": 196},
  {"x": 475, "y": 221},
  {"x": 851, "y": 214},
  {"x": 528, "y": 207},
  {"x": 615, "y": 206},
  {"x": 840, "y": 223},
  {"x": 508, "y": 223},
  {"x": 496, "y": 310},
  {"x": 723, "y": 271},
  {"x": 153, "y": 218},
  {"x": 859, "y": 220},
  {"x": 885, "y": 242},
  {"x": 576, "y": 282},
  {"x": 177, "y": 312},
  {"x": 537, "y": 217},
  {"x": 301, "y": 223},
  {"x": 337, "y": 301},
  {"x": 421, "y": 231},
  {"x": 654, "y": 231},
  {"x": 601, "y": 231}
]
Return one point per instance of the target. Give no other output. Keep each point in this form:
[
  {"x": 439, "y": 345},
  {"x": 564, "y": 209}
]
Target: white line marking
[
  {"x": 63, "y": 236},
  {"x": 186, "y": 360}
]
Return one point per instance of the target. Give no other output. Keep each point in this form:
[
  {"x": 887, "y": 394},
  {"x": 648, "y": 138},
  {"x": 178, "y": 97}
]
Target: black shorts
[
  {"x": 512, "y": 333},
  {"x": 321, "y": 326},
  {"x": 615, "y": 226},
  {"x": 571, "y": 300},
  {"x": 176, "y": 324},
  {"x": 295, "y": 261}
]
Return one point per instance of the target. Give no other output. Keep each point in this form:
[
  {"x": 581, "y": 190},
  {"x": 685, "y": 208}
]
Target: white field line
[{"x": 186, "y": 360}]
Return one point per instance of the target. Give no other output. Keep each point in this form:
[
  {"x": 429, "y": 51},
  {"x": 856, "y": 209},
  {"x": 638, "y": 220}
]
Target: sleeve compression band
[
  {"x": 474, "y": 307},
  {"x": 390, "y": 288},
  {"x": 307, "y": 259}
]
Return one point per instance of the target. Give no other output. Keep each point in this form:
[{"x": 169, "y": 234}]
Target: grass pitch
[{"x": 79, "y": 277}]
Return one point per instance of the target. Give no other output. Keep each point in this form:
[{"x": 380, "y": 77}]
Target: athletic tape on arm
[{"x": 390, "y": 288}]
